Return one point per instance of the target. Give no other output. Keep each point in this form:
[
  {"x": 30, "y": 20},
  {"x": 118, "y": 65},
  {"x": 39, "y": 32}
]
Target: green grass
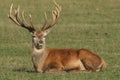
[{"x": 91, "y": 24}]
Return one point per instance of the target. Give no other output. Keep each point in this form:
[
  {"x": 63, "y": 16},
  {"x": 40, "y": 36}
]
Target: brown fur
[
  {"x": 91, "y": 61},
  {"x": 58, "y": 60}
]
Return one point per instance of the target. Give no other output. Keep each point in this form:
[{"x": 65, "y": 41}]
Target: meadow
[{"x": 91, "y": 24}]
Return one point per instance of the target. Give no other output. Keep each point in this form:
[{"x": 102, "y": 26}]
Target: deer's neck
[{"x": 39, "y": 56}]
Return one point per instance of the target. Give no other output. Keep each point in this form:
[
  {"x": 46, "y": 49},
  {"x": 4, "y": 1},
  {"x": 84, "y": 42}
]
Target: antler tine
[
  {"x": 21, "y": 22},
  {"x": 57, "y": 5},
  {"x": 24, "y": 20},
  {"x": 17, "y": 16},
  {"x": 31, "y": 21},
  {"x": 55, "y": 16},
  {"x": 12, "y": 17},
  {"x": 45, "y": 24}
]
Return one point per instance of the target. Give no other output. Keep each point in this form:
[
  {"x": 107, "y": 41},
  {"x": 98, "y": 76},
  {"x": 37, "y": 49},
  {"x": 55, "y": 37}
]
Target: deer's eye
[{"x": 33, "y": 36}]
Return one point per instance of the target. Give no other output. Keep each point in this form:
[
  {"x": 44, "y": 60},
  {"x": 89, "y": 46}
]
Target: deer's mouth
[{"x": 38, "y": 46}]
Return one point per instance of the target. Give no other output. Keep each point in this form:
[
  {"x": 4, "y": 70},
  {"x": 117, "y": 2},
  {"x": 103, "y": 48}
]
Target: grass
[{"x": 91, "y": 24}]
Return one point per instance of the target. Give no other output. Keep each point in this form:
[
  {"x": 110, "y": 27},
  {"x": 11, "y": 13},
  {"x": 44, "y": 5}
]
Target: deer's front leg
[{"x": 39, "y": 70}]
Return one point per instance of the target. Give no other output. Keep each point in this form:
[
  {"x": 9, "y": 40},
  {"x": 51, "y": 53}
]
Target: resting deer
[{"x": 56, "y": 60}]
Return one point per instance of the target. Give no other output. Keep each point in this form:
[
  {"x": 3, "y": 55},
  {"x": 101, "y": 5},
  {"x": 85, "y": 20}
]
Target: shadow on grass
[{"x": 23, "y": 70}]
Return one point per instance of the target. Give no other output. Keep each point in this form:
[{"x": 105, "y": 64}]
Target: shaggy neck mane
[{"x": 39, "y": 56}]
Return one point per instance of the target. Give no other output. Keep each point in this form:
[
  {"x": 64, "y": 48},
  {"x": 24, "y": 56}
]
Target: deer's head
[{"x": 38, "y": 36}]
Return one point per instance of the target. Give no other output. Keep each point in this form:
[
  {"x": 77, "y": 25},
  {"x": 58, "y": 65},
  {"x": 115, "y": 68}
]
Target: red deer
[{"x": 55, "y": 60}]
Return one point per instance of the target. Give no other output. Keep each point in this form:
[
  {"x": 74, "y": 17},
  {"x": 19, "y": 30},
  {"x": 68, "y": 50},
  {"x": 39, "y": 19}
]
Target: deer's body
[
  {"x": 56, "y": 60},
  {"x": 67, "y": 60}
]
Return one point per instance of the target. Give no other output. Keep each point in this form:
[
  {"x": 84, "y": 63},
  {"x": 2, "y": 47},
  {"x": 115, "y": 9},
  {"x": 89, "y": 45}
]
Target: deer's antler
[
  {"x": 21, "y": 22},
  {"x": 55, "y": 16}
]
